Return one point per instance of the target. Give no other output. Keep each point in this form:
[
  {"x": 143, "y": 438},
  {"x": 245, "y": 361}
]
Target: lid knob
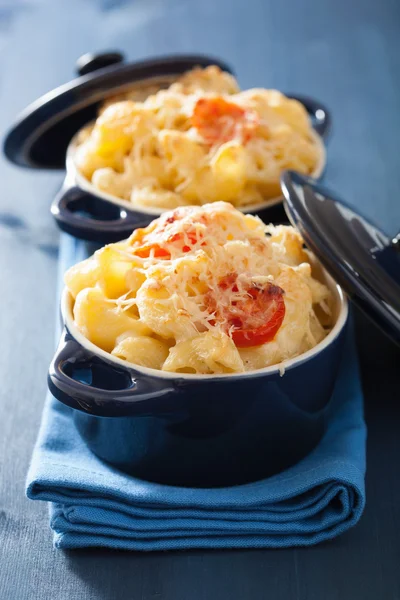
[
  {"x": 396, "y": 242},
  {"x": 91, "y": 62}
]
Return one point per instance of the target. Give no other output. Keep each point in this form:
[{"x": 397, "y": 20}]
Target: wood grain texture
[{"x": 347, "y": 54}]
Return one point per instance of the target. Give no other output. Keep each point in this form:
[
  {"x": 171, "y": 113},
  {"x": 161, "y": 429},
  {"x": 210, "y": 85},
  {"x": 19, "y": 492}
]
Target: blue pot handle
[
  {"x": 84, "y": 381},
  {"x": 320, "y": 115},
  {"x": 116, "y": 223}
]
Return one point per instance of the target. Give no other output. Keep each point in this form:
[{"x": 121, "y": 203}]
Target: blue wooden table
[{"x": 346, "y": 53}]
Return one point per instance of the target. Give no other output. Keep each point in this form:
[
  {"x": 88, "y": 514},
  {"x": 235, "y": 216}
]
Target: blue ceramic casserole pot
[
  {"x": 46, "y": 132},
  {"x": 197, "y": 430}
]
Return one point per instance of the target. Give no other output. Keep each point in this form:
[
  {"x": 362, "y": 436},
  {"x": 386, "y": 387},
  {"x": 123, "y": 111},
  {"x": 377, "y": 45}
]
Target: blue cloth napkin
[{"x": 92, "y": 504}]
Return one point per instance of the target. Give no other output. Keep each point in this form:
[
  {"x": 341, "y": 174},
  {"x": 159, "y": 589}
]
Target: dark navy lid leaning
[{"x": 362, "y": 258}]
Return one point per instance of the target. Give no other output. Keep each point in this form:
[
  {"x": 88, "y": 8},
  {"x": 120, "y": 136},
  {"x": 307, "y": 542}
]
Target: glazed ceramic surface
[{"x": 197, "y": 430}]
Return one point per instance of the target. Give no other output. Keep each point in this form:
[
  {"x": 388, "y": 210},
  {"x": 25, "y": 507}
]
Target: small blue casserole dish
[
  {"x": 45, "y": 136},
  {"x": 197, "y": 430},
  {"x": 220, "y": 430}
]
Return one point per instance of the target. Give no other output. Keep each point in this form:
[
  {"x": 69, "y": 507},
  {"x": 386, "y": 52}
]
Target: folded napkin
[{"x": 93, "y": 504}]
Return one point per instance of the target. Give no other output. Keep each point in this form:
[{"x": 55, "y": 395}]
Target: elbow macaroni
[
  {"x": 151, "y": 152},
  {"x": 174, "y": 295}
]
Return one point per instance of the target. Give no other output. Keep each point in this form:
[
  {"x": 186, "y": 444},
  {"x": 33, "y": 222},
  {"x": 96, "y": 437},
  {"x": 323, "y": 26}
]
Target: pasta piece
[
  {"x": 101, "y": 321},
  {"x": 228, "y": 166},
  {"x": 291, "y": 112},
  {"x": 171, "y": 110},
  {"x": 319, "y": 292},
  {"x": 206, "y": 353},
  {"x": 113, "y": 129},
  {"x": 298, "y": 304},
  {"x": 184, "y": 155},
  {"x": 111, "y": 182},
  {"x": 164, "y": 312},
  {"x": 83, "y": 275},
  {"x": 134, "y": 280},
  {"x": 150, "y": 197},
  {"x": 259, "y": 357},
  {"x": 210, "y": 79},
  {"x": 317, "y": 332},
  {"x": 250, "y": 195},
  {"x": 148, "y": 172},
  {"x": 287, "y": 245},
  {"x": 206, "y": 187},
  {"x": 276, "y": 109},
  {"x": 88, "y": 161},
  {"x": 114, "y": 268},
  {"x": 144, "y": 351}
]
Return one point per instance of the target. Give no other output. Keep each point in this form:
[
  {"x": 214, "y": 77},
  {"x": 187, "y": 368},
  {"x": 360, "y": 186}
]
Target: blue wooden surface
[{"x": 345, "y": 52}]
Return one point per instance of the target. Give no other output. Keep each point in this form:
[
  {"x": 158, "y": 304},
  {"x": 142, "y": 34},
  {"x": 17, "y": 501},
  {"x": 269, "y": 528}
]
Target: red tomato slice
[
  {"x": 264, "y": 304},
  {"x": 229, "y": 282},
  {"x": 158, "y": 234},
  {"x": 159, "y": 252},
  {"x": 144, "y": 251},
  {"x": 256, "y": 318},
  {"x": 192, "y": 236},
  {"x": 219, "y": 121}
]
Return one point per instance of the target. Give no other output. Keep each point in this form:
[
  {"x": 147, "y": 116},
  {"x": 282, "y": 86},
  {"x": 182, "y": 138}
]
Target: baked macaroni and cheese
[
  {"x": 201, "y": 140},
  {"x": 202, "y": 290}
]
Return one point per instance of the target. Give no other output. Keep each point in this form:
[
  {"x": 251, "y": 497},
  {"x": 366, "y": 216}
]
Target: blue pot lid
[
  {"x": 40, "y": 136},
  {"x": 363, "y": 259}
]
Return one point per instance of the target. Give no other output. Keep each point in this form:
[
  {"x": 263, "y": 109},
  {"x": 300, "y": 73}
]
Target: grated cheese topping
[
  {"x": 200, "y": 140},
  {"x": 196, "y": 278}
]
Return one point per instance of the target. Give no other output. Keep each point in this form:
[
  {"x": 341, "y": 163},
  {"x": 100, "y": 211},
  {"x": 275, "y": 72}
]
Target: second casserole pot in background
[{"x": 47, "y": 134}]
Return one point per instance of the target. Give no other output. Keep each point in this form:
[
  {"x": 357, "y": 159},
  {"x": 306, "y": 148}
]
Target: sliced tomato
[
  {"x": 219, "y": 121},
  {"x": 254, "y": 319},
  {"x": 159, "y": 252},
  {"x": 258, "y": 318},
  {"x": 158, "y": 234},
  {"x": 191, "y": 235},
  {"x": 229, "y": 282}
]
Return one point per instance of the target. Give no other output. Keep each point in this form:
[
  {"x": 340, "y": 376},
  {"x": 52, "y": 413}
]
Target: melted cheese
[
  {"x": 117, "y": 154},
  {"x": 169, "y": 278}
]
